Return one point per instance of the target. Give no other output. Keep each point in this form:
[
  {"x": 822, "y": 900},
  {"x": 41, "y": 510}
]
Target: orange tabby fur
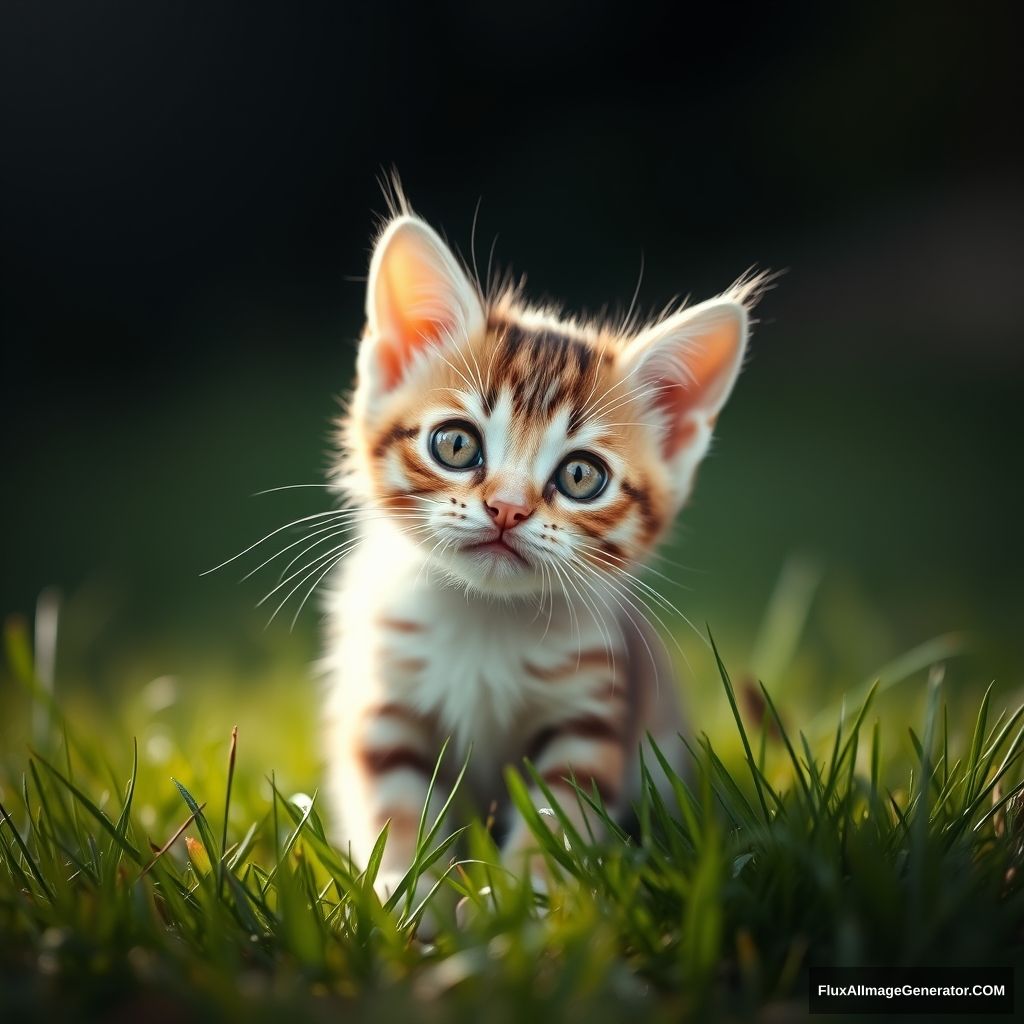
[{"x": 484, "y": 602}]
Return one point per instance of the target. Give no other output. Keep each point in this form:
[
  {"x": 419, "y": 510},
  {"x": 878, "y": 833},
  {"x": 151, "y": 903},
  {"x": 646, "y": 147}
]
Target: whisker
[
  {"x": 595, "y": 615},
  {"x": 313, "y": 564},
  {"x": 628, "y": 588},
  {"x": 338, "y": 527},
  {"x": 349, "y": 546},
  {"x": 615, "y": 596},
  {"x": 338, "y": 514},
  {"x": 338, "y": 533},
  {"x": 608, "y": 644},
  {"x": 598, "y": 581},
  {"x": 334, "y": 530},
  {"x": 330, "y": 565},
  {"x": 664, "y": 601},
  {"x": 624, "y": 590},
  {"x": 289, "y": 487},
  {"x": 624, "y": 587},
  {"x": 396, "y": 496},
  {"x": 273, "y": 533},
  {"x": 306, "y": 550},
  {"x": 573, "y": 617},
  {"x": 427, "y": 561},
  {"x": 644, "y": 566},
  {"x": 547, "y": 595},
  {"x": 316, "y": 583}
]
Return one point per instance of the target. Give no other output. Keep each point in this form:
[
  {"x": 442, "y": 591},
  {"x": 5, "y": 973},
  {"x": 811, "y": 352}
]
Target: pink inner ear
[
  {"x": 395, "y": 351},
  {"x": 680, "y": 434},
  {"x": 406, "y": 333},
  {"x": 710, "y": 362}
]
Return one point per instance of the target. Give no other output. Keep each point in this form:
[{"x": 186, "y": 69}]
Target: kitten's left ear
[
  {"x": 417, "y": 296},
  {"x": 686, "y": 366}
]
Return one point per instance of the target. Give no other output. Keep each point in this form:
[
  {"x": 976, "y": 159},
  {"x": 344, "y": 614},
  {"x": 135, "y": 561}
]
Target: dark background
[{"x": 187, "y": 196}]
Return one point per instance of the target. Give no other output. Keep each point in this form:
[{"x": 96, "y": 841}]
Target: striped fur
[{"x": 540, "y": 650}]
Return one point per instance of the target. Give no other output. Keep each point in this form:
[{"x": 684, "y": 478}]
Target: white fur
[{"x": 474, "y": 649}]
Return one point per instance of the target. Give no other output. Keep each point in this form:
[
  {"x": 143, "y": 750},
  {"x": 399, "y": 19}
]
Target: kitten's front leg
[
  {"x": 589, "y": 748},
  {"x": 383, "y": 762}
]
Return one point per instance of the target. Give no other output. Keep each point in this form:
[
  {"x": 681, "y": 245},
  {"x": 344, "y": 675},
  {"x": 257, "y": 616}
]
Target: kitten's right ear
[{"x": 417, "y": 296}]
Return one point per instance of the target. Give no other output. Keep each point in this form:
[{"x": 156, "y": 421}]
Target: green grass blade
[
  {"x": 227, "y": 810},
  {"x": 27, "y": 854},
  {"x": 205, "y": 834},
  {"x": 104, "y": 822},
  {"x": 731, "y": 695}
]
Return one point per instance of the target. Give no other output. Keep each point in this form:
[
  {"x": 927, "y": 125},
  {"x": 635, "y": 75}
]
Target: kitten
[{"x": 512, "y": 470}]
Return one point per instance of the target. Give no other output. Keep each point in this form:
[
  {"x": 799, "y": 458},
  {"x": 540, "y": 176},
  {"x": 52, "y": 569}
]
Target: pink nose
[{"x": 507, "y": 515}]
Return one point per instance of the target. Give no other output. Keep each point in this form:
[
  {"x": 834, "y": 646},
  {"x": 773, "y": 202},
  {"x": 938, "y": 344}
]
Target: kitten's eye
[
  {"x": 581, "y": 477},
  {"x": 457, "y": 445}
]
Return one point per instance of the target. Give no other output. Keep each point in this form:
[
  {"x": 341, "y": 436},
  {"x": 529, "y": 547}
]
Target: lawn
[{"x": 188, "y": 875}]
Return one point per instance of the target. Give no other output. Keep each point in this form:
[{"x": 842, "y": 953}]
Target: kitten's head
[{"x": 517, "y": 448}]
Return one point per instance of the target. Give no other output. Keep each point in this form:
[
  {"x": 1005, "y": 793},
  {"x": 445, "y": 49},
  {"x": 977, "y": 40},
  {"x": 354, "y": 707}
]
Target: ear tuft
[{"x": 417, "y": 296}]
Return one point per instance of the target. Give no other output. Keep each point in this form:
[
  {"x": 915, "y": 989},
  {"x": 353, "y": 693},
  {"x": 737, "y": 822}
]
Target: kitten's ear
[
  {"x": 417, "y": 296},
  {"x": 686, "y": 366}
]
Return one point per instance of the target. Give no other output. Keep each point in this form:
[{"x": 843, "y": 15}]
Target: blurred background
[{"x": 187, "y": 199}]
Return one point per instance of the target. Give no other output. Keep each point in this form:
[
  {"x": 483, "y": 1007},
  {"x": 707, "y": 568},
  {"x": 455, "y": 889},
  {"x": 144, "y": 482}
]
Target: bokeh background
[{"x": 187, "y": 198}]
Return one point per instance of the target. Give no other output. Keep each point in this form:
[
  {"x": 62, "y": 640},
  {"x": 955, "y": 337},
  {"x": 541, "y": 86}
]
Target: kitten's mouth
[{"x": 498, "y": 548}]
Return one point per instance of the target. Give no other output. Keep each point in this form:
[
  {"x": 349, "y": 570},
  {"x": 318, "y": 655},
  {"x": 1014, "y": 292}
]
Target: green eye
[
  {"x": 581, "y": 476},
  {"x": 457, "y": 445}
]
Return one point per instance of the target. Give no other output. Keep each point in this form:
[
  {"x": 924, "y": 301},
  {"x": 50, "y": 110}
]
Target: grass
[{"x": 216, "y": 895}]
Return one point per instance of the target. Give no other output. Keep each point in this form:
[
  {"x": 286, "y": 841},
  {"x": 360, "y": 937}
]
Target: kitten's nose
[{"x": 507, "y": 514}]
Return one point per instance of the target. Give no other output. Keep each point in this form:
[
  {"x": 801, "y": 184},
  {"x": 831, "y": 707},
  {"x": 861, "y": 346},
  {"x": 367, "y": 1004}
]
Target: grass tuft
[{"x": 736, "y": 879}]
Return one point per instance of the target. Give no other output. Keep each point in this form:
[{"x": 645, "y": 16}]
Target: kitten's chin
[{"x": 493, "y": 572}]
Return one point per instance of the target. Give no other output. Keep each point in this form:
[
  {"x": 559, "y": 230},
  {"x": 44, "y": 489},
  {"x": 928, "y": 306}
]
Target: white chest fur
[{"x": 480, "y": 666}]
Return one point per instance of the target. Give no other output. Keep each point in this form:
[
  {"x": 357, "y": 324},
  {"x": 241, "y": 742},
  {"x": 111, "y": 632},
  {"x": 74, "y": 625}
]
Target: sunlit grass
[{"x": 194, "y": 881}]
